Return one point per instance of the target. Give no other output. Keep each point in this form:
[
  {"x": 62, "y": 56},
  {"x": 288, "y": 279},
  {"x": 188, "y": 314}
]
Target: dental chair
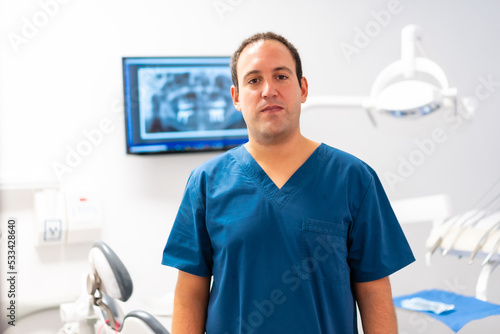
[{"x": 108, "y": 282}]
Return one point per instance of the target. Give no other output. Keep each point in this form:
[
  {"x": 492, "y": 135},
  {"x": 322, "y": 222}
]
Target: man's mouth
[{"x": 271, "y": 108}]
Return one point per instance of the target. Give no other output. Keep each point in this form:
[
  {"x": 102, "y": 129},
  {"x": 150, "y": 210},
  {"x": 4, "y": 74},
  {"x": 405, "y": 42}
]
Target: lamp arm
[
  {"x": 409, "y": 37},
  {"x": 335, "y": 101}
]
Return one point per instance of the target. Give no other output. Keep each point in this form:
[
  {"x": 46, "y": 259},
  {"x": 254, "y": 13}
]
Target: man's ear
[
  {"x": 304, "y": 88},
  {"x": 236, "y": 97}
]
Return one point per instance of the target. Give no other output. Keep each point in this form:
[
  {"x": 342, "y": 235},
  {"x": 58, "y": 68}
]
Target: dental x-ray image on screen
[{"x": 180, "y": 104}]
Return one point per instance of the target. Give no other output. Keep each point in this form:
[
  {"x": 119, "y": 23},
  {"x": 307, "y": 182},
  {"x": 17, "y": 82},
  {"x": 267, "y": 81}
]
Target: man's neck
[
  {"x": 281, "y": 160},
  {"x": 279, "y": 151}
]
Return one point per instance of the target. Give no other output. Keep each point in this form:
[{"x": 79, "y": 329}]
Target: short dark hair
[{"x": 259, "y": 37}]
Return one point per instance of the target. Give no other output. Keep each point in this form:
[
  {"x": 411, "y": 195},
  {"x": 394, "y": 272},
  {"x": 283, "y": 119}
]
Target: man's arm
[
  {"x": 376, "y": 307},
  {"x": 190, "y": 304}
]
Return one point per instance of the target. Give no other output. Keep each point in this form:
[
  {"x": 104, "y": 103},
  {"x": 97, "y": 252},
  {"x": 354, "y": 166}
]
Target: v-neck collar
[{"x": 279, "y": 196}]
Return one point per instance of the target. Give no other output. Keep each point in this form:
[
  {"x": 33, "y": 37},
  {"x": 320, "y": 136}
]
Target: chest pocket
[{"x": 324, "y": 252}]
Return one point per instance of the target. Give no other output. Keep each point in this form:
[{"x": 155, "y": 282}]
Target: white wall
[{"x": 66, "y": 78}]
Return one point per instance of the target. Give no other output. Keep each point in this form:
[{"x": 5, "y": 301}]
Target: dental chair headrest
[{"x": 115, "y": 281}]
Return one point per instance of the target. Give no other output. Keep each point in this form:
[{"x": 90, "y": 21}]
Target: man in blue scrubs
[{"x": 291, "y": 233}]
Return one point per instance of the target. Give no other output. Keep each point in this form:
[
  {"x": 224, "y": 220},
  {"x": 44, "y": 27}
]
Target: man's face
[{"x": 269, "y": 93}]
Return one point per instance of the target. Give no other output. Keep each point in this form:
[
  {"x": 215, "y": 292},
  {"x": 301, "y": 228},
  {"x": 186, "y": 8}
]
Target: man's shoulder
[
  {"x": 220, "y": 163},
  {"x": 350, "y": 167},
  {"x": 338, "y": 156}
]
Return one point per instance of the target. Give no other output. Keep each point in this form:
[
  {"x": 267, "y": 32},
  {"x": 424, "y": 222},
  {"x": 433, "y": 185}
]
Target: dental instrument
[
  {"x": 454, "y": 220},
  {"x": 484, "y": 212},
  {"x": 492, "y": 252},
  {"x": 482, "y": 241}
]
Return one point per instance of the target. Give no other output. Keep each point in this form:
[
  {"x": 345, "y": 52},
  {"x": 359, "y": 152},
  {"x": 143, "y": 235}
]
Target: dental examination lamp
[
  {"x": 108, "y": 282},
  {"x": 408, "y": 88}
]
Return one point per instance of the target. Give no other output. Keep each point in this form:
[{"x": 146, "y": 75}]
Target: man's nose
[{"x": 269, "y": 89}]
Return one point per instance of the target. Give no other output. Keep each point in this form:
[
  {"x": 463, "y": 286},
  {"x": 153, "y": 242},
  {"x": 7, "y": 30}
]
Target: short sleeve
[
  {"x": 188, "y": 246},
  {"x": 377, "y": 244}
]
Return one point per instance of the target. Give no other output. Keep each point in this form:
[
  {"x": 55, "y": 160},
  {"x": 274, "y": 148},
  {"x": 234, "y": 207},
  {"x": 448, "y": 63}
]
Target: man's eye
[
  {"x": 252, "y": 81},
  {"x": 282, "y": 77}
]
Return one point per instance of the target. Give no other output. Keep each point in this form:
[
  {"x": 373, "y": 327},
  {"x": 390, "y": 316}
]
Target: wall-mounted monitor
[{"x": 180, "y": 104}]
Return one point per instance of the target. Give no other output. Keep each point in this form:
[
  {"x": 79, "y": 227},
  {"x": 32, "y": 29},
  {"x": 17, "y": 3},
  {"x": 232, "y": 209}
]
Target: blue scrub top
[{"x": 283, "y": 260}]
